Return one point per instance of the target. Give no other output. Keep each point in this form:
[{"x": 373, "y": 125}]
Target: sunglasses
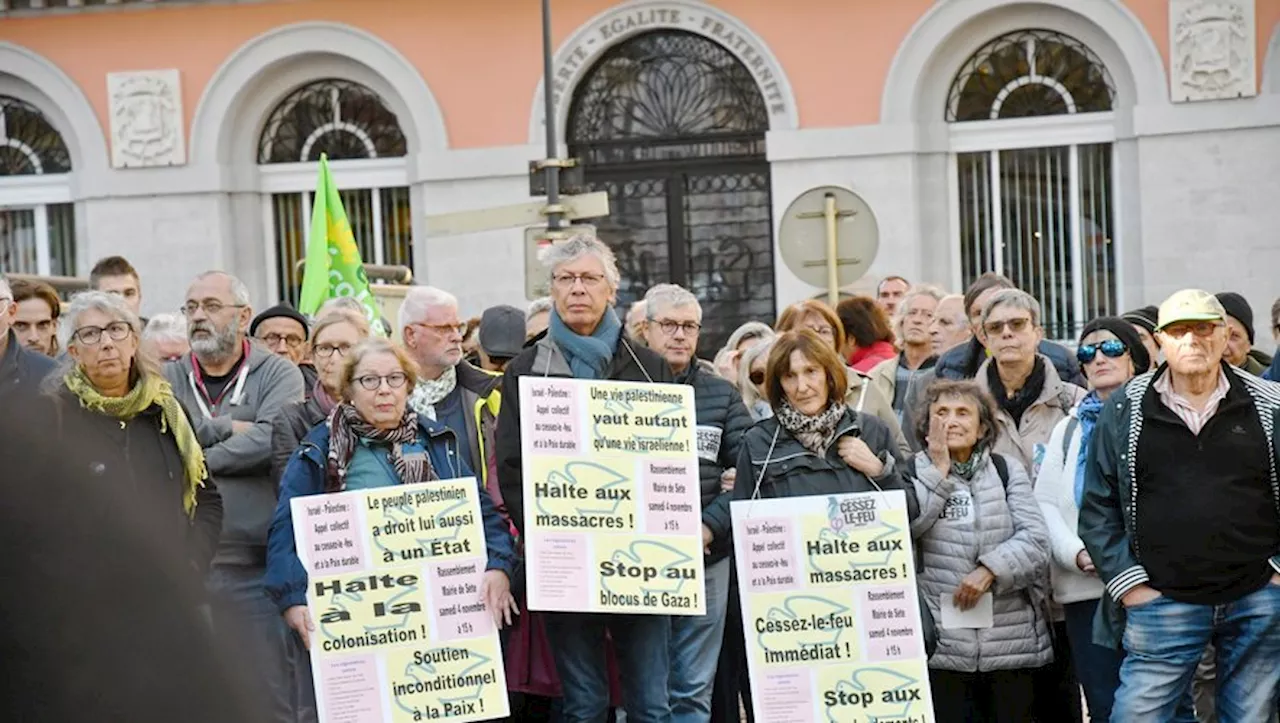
[
  {"x": 757, "y": 377},
  {"x": 1112, "y": 348}
]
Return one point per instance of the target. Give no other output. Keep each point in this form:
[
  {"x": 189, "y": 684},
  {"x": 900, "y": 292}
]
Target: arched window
[
  {"x": 353, "y": 126},
  {"x": 37, "y": 218},
  {"x": 1035, "y": 189},
  {"x": 672, "y": 125}
]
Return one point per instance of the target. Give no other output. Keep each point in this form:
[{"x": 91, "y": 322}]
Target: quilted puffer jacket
[{"x": 964, "y": 524}]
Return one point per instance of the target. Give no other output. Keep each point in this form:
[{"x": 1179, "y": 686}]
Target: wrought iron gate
[{"x": 672, "y": 126}]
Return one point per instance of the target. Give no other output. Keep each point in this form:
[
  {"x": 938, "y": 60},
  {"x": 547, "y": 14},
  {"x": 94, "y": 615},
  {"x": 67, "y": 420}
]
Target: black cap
[
  {"x": 1146, "y": 317},
  {"x": 502, "y": 332},
  {"x": 1237, "y": 308},
  {"x": 282, "y": 310}
]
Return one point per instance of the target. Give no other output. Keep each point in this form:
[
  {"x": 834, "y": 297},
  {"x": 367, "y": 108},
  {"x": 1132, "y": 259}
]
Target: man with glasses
[
  {"x": 21, "y": 369},
  {"x": 671, "y": 329},
  {"x": 450, "y": 390},
  {"x": 285, "y": 332},
  {"x": 233, "y": 390},
  {"x": 1181, "y": 517}
]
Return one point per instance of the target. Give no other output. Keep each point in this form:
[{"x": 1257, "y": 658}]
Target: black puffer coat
[{"x": 722, "y": 419}]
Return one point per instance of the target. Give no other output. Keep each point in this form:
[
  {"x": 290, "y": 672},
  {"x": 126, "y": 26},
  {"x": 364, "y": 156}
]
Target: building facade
[{"x": 1102, "y": 153}]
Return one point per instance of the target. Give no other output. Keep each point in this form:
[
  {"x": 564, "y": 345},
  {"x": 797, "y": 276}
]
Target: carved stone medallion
[{"x": 146, "y": 119}]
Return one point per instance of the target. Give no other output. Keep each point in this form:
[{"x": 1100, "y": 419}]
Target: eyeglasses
[
  {"x": 292, "y": 340},
  {"x": 824, "y": 331},
  {"x": 566, "y": 281},
  {"x": 372, "y": 382},
  {"x": 1017, "y": 326},
  {"x": 211, "y": 307},
  {"x": 1202, "y": 329},
  {"x": 1112, "y": 348},
  {"x": 757, "y": 377},
  {"x": 92, "y": 335},
  {"x": 327, "y": 350},
  {"x": 670, "y": 327},
  {"x": 445, "y": 329}
]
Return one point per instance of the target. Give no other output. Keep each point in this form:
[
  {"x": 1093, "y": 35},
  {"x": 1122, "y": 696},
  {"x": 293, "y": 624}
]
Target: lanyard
[{"x": 196, "y": 380}]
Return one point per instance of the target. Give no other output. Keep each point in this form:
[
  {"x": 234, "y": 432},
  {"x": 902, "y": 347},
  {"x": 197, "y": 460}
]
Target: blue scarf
[
  {"x": 588, "y": 356},
  {"x": 1087, "y": 412}
]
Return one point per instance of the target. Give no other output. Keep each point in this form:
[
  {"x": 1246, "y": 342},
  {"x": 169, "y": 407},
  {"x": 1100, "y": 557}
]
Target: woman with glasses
[
  {"x": 1110, "y": 354},
  {"x": 333, "y": 337},
  {"x": 111, "y": 400},
  {"x": 373, "y": 439}
]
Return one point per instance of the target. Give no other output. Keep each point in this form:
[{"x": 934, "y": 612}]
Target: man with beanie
[
  {"x": 285, "y": 332},
  {"x": 1181, "y": 517},
  {"x": 1144, "y": 321},
  {"x": 1240, "y": 351},
  {"x": 501, "y": 336}
]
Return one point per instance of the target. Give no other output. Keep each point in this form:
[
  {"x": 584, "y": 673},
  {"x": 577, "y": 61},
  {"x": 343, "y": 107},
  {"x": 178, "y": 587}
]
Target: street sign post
[
  {"x": 836, "y": 252},
  {"x": 588, "y": 205}
]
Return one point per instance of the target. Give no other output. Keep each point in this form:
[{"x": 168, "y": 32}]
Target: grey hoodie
[{"x": 241, "y": 463}]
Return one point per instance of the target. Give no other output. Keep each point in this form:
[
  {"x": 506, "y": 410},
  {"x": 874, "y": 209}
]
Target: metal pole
[
  {"x": 555, "y": 217},
  {"x": 833, "y": 262}
]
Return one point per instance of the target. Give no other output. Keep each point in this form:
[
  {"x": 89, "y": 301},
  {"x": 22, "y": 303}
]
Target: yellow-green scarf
[{"x": 148, "y": 391}]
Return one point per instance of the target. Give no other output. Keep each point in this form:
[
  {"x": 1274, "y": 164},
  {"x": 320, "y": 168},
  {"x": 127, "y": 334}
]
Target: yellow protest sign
[
  {"x": 613, "y": 513},
  {"x": 394, "y": 578},
  {"x": 831, "y": 614}
]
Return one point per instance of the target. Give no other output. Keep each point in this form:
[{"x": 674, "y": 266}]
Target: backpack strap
[
  {"x": 1072, "y": 423},
  {"x": 1002, "y": 469}
]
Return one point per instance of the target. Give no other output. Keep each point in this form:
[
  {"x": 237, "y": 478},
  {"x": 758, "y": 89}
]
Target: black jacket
[
  {"x": 962, "y": 361},
  {"x": 288, "y": 430},
  {"x": 22, "y": 370},
  {"x": 143, "y": 464},
  {"x": 722, "y": 419},
  {"x": 630, "y": 364},
  {"x": 774, "y": 459}
]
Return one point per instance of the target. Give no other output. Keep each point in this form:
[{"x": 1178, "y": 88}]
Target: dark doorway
[{"x": 672, "y": 126}]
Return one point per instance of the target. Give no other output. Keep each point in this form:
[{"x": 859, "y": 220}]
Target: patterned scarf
[
  {"x": 146, "y": 392},
  {"x": 965, "y": 470},
  {"x": 815, "y": 432},
  {"x": 321, "y": 395},
  {"x": 347, "y": 428},
  {"x": 429, "y": 392},
  {"x": 1087, "y": 412}
]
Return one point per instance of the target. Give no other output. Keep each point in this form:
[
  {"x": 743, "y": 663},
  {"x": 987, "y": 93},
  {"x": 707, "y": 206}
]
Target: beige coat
[
  {"x": 1027, "y": 441},
  {"x": 864, "y": 396}
]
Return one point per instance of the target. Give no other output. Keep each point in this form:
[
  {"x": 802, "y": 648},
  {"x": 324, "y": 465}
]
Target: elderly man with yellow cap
[{"x": 1181, "y": 517}]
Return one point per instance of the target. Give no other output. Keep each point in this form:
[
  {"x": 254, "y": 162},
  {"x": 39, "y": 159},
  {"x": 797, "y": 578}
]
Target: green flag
[{"x": 333, "y": 265}]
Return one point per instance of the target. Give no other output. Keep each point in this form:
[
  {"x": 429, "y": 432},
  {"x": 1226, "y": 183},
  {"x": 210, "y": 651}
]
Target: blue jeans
[
  {"x": 695, "y": 651},
  {"x": 642, "y": 645},
  {"x": 1097, "y": 667},
  {"x": 242, "y": 612},
  {"x": 1164, "y": 640}
]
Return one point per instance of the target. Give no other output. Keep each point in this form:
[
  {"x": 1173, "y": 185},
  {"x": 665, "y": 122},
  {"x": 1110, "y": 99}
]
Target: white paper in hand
[{"x": 978, "y": 616}]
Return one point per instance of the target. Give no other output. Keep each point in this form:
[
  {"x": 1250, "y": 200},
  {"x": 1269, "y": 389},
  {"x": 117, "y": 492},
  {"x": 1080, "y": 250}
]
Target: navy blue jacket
[
  {"x": 22, "y": 370},
  {"x": 286, "y": 579},
  {"x": 962, "y": 361}
]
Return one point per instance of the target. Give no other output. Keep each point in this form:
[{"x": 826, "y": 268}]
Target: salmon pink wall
[{"x": 482, "y": 59}]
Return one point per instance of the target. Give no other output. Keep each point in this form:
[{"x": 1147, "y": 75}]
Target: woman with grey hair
[
  {"x": 166, "y": 336},
  {"x": 112, "y": 401},
  {"x": 982, "y": 535}
]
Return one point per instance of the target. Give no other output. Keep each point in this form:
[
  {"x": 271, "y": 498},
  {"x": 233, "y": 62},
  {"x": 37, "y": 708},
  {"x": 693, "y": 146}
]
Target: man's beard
[{"x": 220, "y": 345}]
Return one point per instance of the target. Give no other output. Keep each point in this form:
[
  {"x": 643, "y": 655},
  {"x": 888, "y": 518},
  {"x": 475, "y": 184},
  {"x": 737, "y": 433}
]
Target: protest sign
[
  {"x": 830, "y": 609},
  {"x": 394, "y": 577},
  {"x": 613, "y": 513}
]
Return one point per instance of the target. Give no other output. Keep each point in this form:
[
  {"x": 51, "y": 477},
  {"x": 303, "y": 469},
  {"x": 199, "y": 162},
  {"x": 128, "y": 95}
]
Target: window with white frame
[
  {"x": 1031, "y": 123},
  {"x": 37, "y": 218},
  {"x": 364, "y": 143}
]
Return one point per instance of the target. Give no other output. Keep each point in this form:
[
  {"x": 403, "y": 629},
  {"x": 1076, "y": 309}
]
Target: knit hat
[
  {"x": 1144, "y": 317},
  {"x": 1125, "y": 332},
  {"x": 1237, "y": 308},
  {"x": 281, "y": 310}
]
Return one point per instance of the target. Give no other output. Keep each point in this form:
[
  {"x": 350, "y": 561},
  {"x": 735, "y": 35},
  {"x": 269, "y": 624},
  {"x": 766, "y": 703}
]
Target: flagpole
[{"x": 555, "y": 214}]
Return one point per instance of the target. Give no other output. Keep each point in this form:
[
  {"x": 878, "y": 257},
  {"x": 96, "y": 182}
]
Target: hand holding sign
[
  {"x": 859, "y": 456},
  {"x": 973, "y": 586},
  {"x": 495, "y": 590},
  {"x": 299, "y": 621}
]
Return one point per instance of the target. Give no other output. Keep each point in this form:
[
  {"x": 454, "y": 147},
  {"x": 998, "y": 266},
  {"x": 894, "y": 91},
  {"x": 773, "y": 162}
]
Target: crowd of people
[{"x": 1118, "y": 499}]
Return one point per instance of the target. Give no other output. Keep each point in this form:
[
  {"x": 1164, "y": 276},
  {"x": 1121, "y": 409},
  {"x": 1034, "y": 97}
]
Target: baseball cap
[
  {"x": 1190, "y": 305},
  {"x": 502, "y": 332}
]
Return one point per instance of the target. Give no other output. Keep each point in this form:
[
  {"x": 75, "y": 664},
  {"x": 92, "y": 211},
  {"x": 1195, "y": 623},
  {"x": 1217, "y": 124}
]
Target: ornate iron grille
[
  {"x": 343, "y": 119},
  {"x": 1030, "y": 73},
  {"x": 29, "y": 144},
  {"x": 672, "y": 126}
]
